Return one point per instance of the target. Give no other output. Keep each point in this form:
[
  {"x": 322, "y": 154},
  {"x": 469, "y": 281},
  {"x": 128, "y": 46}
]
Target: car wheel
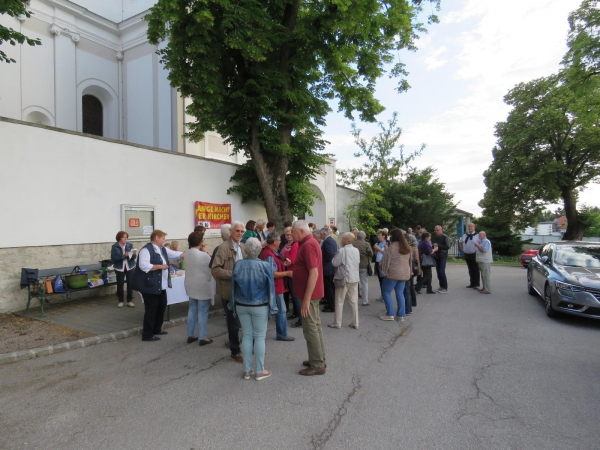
[
  {"x": 530, "y": 289},
  {"x": 550, "y": 311}
]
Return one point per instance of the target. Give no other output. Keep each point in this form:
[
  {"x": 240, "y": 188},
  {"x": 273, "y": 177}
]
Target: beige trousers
[{"x": 351, "y": 289}]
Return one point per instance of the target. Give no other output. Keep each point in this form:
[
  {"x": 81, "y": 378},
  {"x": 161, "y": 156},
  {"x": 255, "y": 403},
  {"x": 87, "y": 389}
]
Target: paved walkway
[{"x": 99, "y": 315}]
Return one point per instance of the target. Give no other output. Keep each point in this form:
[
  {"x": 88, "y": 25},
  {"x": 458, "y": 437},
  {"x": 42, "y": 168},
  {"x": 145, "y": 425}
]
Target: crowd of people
[{"x": 260, "y": 273}]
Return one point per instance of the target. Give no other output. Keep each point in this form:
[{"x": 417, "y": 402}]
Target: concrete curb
[{"x": 23, "y": 355}]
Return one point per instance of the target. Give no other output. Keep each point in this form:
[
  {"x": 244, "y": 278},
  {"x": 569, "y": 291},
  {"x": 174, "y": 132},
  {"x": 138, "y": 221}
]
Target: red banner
[{"x": 212, "y": 215}]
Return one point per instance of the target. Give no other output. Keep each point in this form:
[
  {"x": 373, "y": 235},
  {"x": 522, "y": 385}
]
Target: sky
[{"x": 463, "y": 68}]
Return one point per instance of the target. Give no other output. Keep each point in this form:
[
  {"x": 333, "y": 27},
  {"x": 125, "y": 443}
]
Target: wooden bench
[{"x": 36, "y": 288}]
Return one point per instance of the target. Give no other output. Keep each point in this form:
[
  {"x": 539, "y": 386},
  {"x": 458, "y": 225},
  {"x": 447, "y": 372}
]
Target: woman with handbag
[
  {"x": 426, "y": 252},
  {"x": 396, "y": 267},
  {"x": 346, "y": 263},
  {"x": 366, "y": 253}
]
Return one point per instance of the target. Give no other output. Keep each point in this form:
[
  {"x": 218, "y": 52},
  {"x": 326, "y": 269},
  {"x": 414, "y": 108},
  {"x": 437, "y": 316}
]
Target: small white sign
[{"x": 148, "y": 229}]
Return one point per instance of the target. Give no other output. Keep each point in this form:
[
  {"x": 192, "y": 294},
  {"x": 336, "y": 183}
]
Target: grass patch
[{"x": 495, "y": 263}]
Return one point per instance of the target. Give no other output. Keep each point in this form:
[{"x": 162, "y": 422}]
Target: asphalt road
[{"x": 465, "y": 371}]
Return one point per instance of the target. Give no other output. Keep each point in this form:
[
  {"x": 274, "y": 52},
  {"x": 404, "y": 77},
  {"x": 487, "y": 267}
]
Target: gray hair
[
  {"x": 301, "y": 225},
  {"x": 361, "y": 235},
  {"x": 412, "y": 241},
  {"x": 272, "y": 237},
  {"x": 259, "y": 222},
  {"x": 238, "y": 223},
  {"x": 253, "y": 247},
  {"x": 348, "y": 236},
  {"x": 316, "y": 234},
  {"x": 325, "y": 231},
  {"x": 226, "y": 230}
]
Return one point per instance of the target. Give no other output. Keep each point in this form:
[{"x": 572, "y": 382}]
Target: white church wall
[
  {"x": 139, "y": 96},
  {"x": 37, "y": 72},
  {"x": 64, "y": 198},
  {"x": 344, "y": 198},
  {"x": 10, "y": 87}
]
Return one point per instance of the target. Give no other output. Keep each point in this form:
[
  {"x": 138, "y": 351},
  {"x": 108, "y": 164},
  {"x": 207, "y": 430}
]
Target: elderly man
[
  {"x": 308, "y": 287},
  {"x": 366, "y": 254},
  {"x": 484, "y": 261},
  {"x": 270, "y": 254},
  {"x": 151, "y": 279},
  {"x": 467, "y": 245},
  {"x": 442, "y": 242},
  {"x": 347, "y": 261},
  {"x": 328, "y": 250},
  {"x": 230, "y": 251},
  {"x": 260, "y": 231}
]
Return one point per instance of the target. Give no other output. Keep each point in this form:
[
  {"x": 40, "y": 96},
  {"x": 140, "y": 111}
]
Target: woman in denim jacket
[
  {"x": 123, "y": 256},
  {"x": 253, "y": 301}
]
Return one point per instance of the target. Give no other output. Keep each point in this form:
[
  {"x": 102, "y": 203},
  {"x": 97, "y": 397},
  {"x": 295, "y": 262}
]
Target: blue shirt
[{"x": 379, "y": 256}]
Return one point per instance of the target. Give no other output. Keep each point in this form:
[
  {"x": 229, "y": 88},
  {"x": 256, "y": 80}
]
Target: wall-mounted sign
[
  {"x": 137, "y": 221},
  {"x": 212, "y": 215}
]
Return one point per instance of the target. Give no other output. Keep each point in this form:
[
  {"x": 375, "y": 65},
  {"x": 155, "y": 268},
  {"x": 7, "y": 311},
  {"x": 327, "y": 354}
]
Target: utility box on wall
[{"x": 137, "y": 221}]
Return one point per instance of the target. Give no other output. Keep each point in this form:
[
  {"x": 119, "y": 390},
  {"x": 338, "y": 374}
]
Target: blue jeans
[
  {"x": 297, "y": 302},
  {"x": 281, "y": 317},
  {"x": 387, "y": 287},
  {"x": 254, "y": 321},
  {"x": 407, "y": 297},
  {"x": 440, "y": 268},
  {"x": 198, "y": 313}
]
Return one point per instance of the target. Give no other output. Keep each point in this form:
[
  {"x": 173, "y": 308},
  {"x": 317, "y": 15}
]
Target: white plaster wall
[
  {"x": 10, "y": 75},
  {"x": 37, "y": 70},
  {"x": 165, "y": 103},
  {"x": 344, "y": 197},
  {"x": 139, "y": 102},
  {"x": 75, "y": 186}
]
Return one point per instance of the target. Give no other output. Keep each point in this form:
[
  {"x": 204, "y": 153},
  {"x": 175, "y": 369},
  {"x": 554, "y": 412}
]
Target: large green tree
[
  {"x": 548, "y": 149},
  {"x": 393, "y": 193},
  {"x": 14, "y": 8},
  {"x": 582, "y": 60},
  {"x": 261, "y": 73}
]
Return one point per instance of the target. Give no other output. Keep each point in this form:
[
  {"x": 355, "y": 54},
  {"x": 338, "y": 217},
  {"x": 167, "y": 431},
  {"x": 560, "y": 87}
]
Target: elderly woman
[
  {"x": 378, "y": 249},
  {"x": 122, "y": 255},
  {"x": 396, "y": 267},
  {"x": 366, "y": 253},
  {"x": 198, "y": 287},
  {"x": 346, "y": 261},
  {"x": 410, "y": 295},
  {"x": 288, "y": 253},
  {"x": 253, "y": 301}
]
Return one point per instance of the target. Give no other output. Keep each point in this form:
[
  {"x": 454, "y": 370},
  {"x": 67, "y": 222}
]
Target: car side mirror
[{"x": 545, "y": 259}]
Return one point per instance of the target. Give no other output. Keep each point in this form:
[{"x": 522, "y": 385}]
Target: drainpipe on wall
[{"x": 120, "y": 57}]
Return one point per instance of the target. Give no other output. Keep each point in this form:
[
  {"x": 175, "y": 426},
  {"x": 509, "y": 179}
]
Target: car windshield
[{"x": 578, "y": 256}]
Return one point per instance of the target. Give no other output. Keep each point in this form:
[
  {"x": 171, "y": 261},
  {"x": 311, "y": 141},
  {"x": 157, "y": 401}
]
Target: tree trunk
[
  {"x": 273, "y": 185},
  {"x": 575, "y": 228}
]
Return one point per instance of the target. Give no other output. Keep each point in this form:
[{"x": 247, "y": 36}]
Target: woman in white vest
[{"x": 484, "y": 261}]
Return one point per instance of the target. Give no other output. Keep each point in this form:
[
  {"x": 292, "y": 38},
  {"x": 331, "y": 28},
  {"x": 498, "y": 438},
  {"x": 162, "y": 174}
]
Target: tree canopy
[
  {"x": 393, "y": 192},
  {"x": 548, "y": 148},
  {"x": 261, "y": 73},
  {"x": 14, "y": 8}
]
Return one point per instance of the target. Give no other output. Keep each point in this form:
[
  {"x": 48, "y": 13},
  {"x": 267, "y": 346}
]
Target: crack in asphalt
[
  {"x": 393, "y": 341},
  {"x": 498, "y": 412},
  {"x": 318, "y": 441},
  {"x": 194, "y": 372}
]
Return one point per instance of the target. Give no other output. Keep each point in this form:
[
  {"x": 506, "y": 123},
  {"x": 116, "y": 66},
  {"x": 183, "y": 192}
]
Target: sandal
[
  {"x": 247, "y": 375},
  {"x": 265, "y": 374},
  {"x": 205, "y": 342}
]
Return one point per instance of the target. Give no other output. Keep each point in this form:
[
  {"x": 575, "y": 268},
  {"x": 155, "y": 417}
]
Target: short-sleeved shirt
[{"x": 308, "y": 257}]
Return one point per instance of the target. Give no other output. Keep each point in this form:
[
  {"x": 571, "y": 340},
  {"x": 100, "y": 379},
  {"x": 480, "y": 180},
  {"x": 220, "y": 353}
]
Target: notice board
[{"x": 138, "y": 221}]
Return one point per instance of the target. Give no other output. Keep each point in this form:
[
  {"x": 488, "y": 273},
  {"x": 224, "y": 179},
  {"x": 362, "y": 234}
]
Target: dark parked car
[
  {"x": 567, "y": 276},
  {"x": 528, "y": 254}
]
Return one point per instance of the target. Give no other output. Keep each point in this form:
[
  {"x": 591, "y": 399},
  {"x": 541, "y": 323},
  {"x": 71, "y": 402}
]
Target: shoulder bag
[
  {"x": 427, "y": 261},
  {"x": 340, "y": 282}
]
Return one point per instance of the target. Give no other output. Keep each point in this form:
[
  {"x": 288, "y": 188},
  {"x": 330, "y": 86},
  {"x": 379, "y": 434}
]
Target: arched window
[{"x": 92, "y": 115}]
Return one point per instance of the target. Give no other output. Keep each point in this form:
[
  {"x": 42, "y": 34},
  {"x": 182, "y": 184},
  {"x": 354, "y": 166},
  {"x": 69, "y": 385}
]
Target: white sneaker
[
  {"x": 120, "y": 305},
  {"x": 442, "y": 291},
  {"x": 386, "y": 318},
  {"x": 130, "y": 304}
]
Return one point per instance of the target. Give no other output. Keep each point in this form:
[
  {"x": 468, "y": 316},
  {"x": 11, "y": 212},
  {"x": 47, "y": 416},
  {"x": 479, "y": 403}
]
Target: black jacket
[{"x": 443, "y": 242}]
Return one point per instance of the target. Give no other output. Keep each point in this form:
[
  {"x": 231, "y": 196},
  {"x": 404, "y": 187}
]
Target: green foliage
[
  {"x": 505, "y": 242},
  {"x": 14, "y": 8},
  {"x": 261, "y": 74},
  {"x": 548, "y": 148},
  {"x": 394, "y": 194},
  {"x": 582, "y": 60},
  {"x": 590, "y": 216}
]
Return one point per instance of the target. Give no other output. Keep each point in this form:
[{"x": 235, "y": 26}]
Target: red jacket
[{"x": 279, "y": 282}]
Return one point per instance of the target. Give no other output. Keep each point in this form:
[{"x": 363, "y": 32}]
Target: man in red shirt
[{"x": 308, "y": 287}]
